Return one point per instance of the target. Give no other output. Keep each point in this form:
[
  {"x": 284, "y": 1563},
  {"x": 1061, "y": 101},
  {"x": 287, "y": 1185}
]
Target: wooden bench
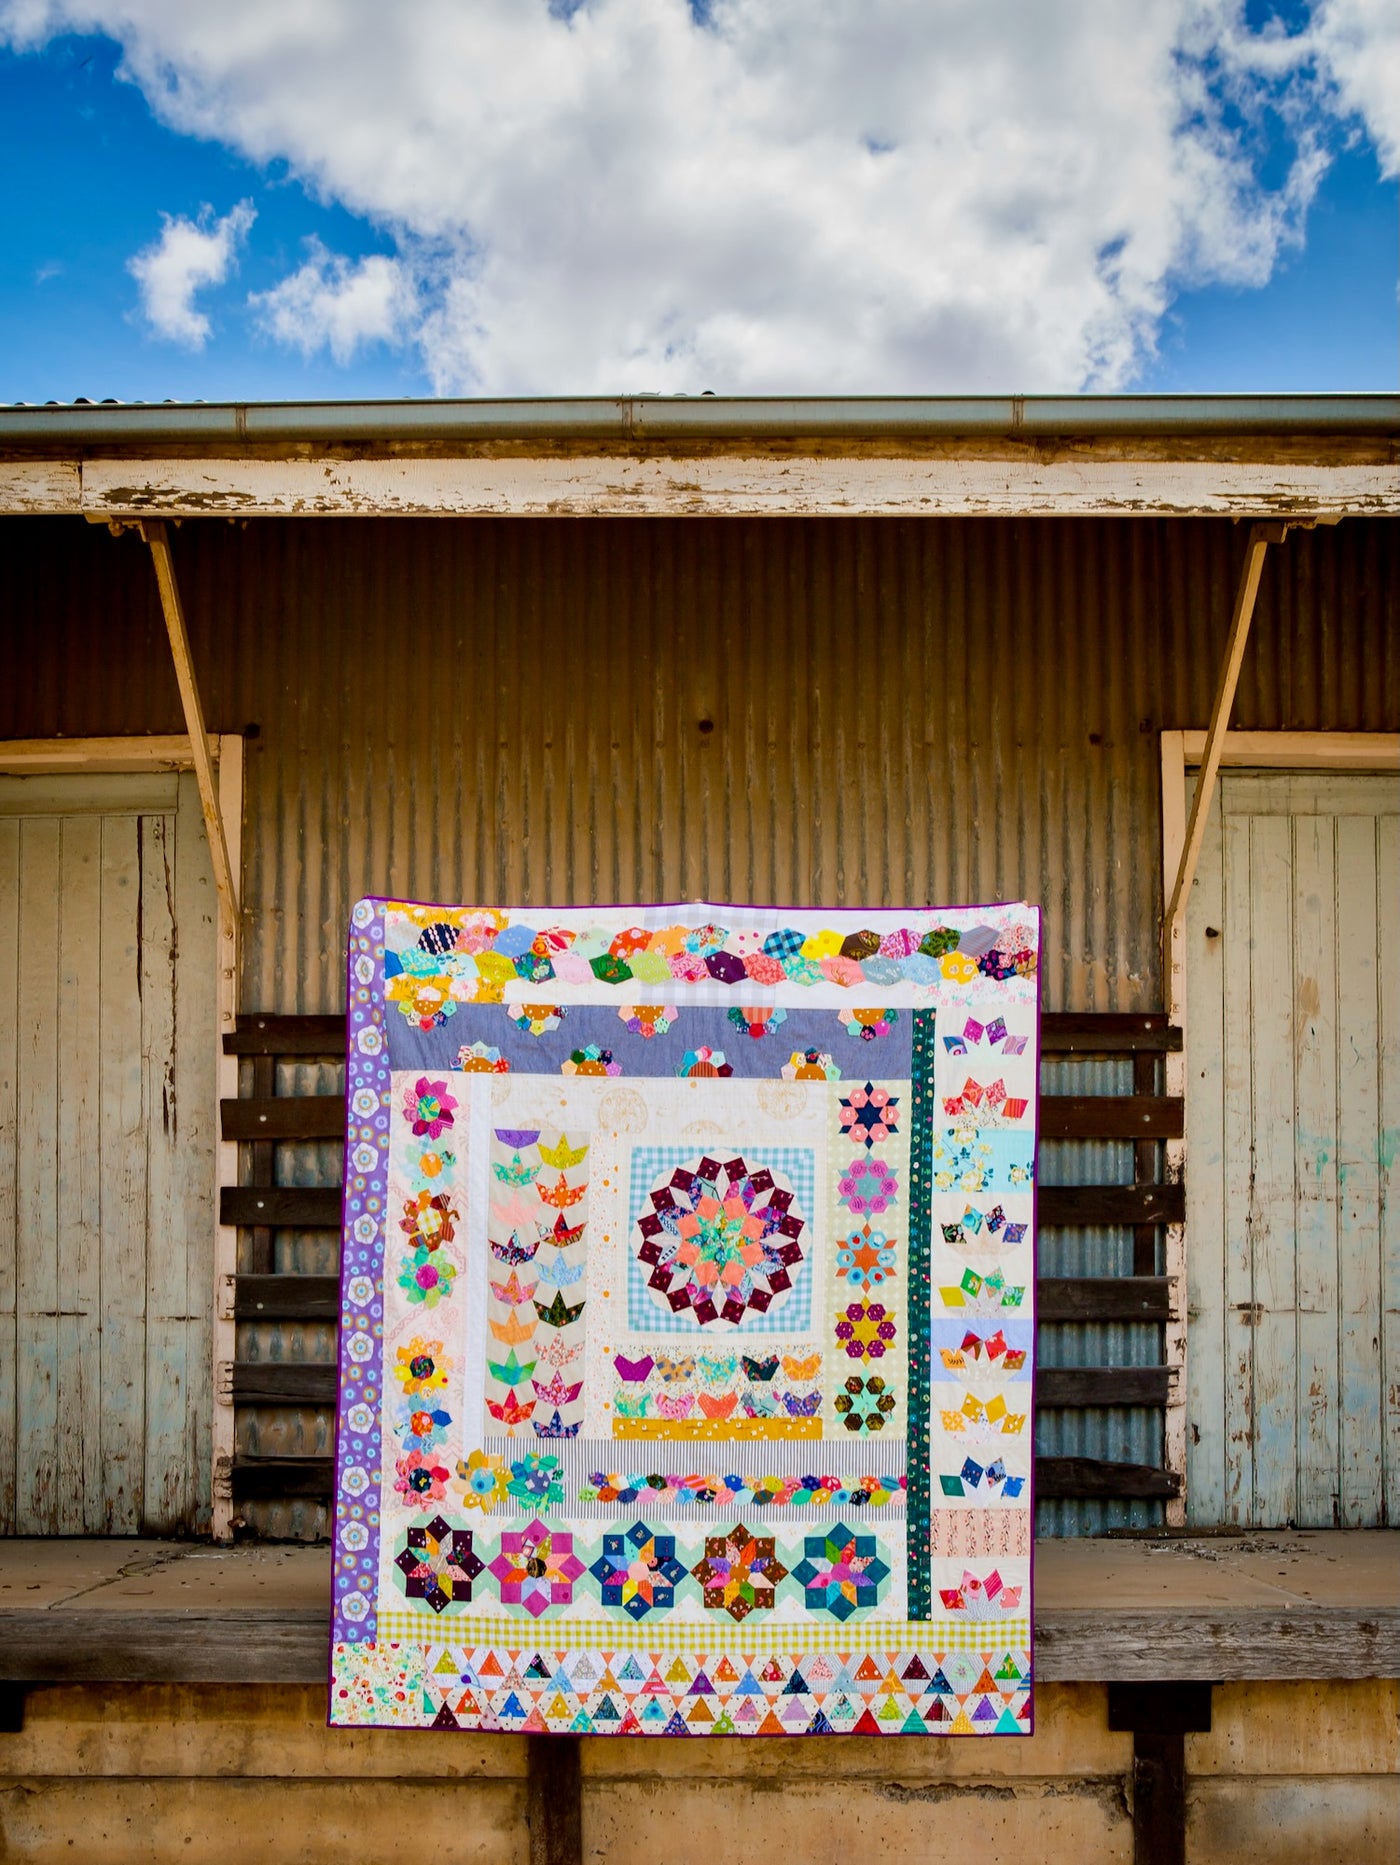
[{"x": 264, "y": 1120}]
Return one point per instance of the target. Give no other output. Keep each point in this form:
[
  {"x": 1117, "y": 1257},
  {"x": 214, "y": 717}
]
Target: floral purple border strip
[{"x": 367, "y": 1094}]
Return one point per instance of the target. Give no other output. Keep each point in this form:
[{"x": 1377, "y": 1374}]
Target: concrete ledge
[{"x": 1296, "y": 1605}]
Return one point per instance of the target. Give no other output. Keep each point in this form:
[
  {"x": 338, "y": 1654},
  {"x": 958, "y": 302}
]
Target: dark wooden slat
[
  {"x": 285, "y": 1117},
  {"x": 261, "y": 1479},
  {"x": 1145, "y": 1169},
  {"x": 1070, "y": 1205},
  {"x": 1057, "y": 1298},
  {"x": 1056, "y": 1478},
  {"x": 308, "y": 1207},
  {"x": 1123, "y": 1021},
  {"x": 1062, "y": 1032},
  {"x": 1062, "y": 1117},
  {"x": 297, "y": 1382},
  {"x": 1100, "y": 1385},
  {"x": 1107, "y": 1043},
  {"x": 286, "y": 1298},
  {"x": 1107, "y": 1033},
  {"x": 1103, "y": 1298},
  {"x": 258, "y": 1035},
  {"x": 263, "y": 1160},
  {"x": 1069, "y": 1478},
  {"x": 1060, "y": 1205},
  {"x": 314, "y": 1383},
  {"x": 1110, "y": 1117}
]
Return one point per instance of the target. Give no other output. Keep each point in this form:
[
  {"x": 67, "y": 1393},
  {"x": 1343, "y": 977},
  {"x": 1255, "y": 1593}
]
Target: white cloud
[
  {"x": 1358, "y": 42},
  {"x": 330, "y": 304},
  {"x": 189, "y": 255},
  {"x": 868, "y": 195}
]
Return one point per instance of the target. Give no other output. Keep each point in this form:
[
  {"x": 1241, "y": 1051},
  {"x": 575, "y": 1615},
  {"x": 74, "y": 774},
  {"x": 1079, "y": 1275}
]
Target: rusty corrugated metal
[
  {"x": 518, "y": 709},
  {"x": 810, "y": 711},
  {"x": 1119, "y": 1434}
]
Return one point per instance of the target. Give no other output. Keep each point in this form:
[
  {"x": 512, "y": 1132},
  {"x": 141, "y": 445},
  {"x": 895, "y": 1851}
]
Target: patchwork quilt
[{"x": 687, "y": 1321}]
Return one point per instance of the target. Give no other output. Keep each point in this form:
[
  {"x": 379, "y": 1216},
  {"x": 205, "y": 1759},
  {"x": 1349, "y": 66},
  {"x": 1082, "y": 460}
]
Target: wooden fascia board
[{"x": 729, "y": 483}]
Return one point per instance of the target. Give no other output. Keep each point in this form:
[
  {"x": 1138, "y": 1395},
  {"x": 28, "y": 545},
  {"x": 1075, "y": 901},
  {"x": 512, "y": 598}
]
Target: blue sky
[
  {"x": 482, "y": 308},
  {"x": 70, "y": 322}
]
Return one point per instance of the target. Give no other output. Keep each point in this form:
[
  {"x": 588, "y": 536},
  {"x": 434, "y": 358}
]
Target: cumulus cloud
[
  {"x": 760, "y": 195},
  {"x": 328, "y": 303},
  {"x": 189, "y": 255},
  {"x": 1358, "y": 45}
]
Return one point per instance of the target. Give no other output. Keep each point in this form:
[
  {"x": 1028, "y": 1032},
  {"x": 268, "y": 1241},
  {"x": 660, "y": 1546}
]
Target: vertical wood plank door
[
  {"x": 1293, "y": 1120},
  {"x": 107, "y": 1131}
]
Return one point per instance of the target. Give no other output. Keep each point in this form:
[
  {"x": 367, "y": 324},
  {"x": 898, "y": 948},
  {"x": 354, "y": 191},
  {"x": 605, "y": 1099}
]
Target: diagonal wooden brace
[
  {"x": 154, "y": 532},
  {"x": 1260, "y": 538}
]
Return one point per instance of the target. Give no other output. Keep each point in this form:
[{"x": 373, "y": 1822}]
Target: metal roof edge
[{"x": 647, "y": 418}]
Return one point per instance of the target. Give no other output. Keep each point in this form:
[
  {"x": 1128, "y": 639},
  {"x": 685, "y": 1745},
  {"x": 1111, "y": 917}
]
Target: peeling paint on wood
[
  {"x": 730, "y": 485},
  {"x": 1292, "y": 1037},
  {"x": 106, "y": 1277},
  {"x": 41, "y": 486}
]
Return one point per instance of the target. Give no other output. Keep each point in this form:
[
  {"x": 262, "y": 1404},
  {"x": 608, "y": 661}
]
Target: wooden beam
[
  {"x": 1062, "y": 1117},
  {"x": 301, "y": 1207},
  {"x": 154, "y": 532},
  {"x": 274, "y": 1478},
  {"x": 1062, "y": 1032},
  {"x": 1110, "y": 1117},
  {"x": 286, "y": 1298},
  {"x": 1075, "y": 1387},
  {"x": 1057, "y": 1298},
  {"x": 1081, "y": 1038},
  {"x": 1094, "y": 1298},
  {"x": 1098, "y": 1641},
  {"x": 1078, "y": 1477},
  {"x": 1159, "y": 1716},
  {"x": 1004, "y": 479},
  {"x": 1055, "y": 1477},
  {"x": 554, "y": 1799},
  {"x": 49, "y": 756},
  {"x": 1260, "y": 538},
  {"x": 260, "y": 1035},
  {"x": 1071, "y": 1206},
  {"x": 313, "y": 1382},
  {"x": 284, "y": 1117},
  {"x": 1300, "y": 751},
  {"x": 283, "y": 1382}
]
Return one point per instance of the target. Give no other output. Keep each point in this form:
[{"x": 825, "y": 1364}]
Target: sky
[{"x": 309, "y": 199}]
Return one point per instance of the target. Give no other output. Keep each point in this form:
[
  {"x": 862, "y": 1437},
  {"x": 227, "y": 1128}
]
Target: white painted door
[
  {"x": 107, "y": 1107},
  {"x": 1293, "y": 1110}
]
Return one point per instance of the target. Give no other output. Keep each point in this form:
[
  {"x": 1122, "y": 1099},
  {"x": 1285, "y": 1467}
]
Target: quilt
[{"x": 687, "y": 1321}]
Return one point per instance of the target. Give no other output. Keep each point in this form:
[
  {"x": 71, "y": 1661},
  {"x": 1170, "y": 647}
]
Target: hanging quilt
[{"x": 687, "y": 1321}]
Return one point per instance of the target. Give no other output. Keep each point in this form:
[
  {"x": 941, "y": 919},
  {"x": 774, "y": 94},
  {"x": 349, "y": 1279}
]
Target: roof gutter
[{"x": 641, "y": 419}]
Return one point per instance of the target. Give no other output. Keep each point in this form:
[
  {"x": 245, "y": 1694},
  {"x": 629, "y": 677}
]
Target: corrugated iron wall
[
  {"x": 807, "y": 711},
  {"x": 819, "y": 711}
]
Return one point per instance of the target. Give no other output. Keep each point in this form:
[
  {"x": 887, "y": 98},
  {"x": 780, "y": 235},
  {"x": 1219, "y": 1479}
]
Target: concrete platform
[{"x": 1302, "y": 1604}]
